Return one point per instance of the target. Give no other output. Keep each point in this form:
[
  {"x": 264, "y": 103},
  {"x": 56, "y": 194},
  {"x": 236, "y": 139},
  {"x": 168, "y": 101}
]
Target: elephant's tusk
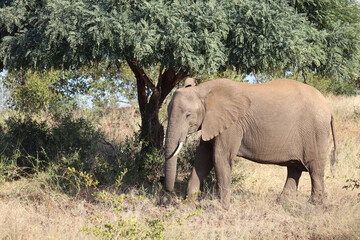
[
  {"x": 178, "y": 148},
  {"x": 176, "y": 152}
]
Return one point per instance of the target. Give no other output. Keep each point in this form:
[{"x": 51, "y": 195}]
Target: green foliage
[
  {"x": 55, "y": 91},
  {"x": 352, "y": 184},
  {"x": 77, "y": 182},
  {"x": 325, "y": 13},
  {"x": 342, "y": 88},
  {"x": 24, "y": 141},
  {"x": 51, "y": 91},
  {"x": 153, "y": 164},
  {"x": 339, "y": 22},
  {"x": 31, "y": 146},
  {"x": 194, "y": 32},
  {"x": 186, "y": 157},
  {"x": 31, "y": 91},
  {"x": 8, "y": 168},
  {"x": 323, "y": 83},
  {"x": 147, "y": 166},
  {"x": 270, "y": 36},
  {"x": 109, "y": 84},
  {"x": 75, "y": 134},
  {"x": 201, "y": 36}
]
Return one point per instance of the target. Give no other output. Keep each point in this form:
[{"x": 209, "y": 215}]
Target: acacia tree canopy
[{"x": 181, "y": 38}]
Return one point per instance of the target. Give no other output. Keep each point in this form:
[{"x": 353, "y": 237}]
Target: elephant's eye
[{"x": 188, "y": 115}]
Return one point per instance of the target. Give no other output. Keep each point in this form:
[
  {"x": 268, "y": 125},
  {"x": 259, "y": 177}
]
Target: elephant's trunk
[{"x": 172, "y": 148}]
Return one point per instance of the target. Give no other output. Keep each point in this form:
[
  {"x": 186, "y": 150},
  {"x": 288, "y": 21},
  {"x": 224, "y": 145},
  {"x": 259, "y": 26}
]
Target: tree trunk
[
  {"x": 150, "y": 99},
  {"x": 304, "y": 75},
  {"x": 152, "y": 131}
]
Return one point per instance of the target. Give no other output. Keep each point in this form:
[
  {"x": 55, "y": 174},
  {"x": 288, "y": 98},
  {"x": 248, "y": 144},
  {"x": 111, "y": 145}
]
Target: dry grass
[
  {"x": 29, "y": 210},
  {"x": 119, "y": 123}
]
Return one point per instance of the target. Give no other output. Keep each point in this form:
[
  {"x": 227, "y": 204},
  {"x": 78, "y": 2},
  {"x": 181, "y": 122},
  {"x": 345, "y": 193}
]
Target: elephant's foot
[
  {"x": 281, "y": 199},
  {"x": 193, "y": 195},
  {"x": 189, "y": 203},
  {"x": 225, "y": 204},
  {"x": 317, "y": 199},
  {"x": 286, "y": 196},
  {"x": 225, "y": 198},
  {"x": 291, "y": 185}
]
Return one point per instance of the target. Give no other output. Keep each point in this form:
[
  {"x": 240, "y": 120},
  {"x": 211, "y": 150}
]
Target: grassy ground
[{"x": 29, "y": 209}]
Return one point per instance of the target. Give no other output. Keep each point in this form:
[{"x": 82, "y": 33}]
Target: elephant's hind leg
[
  {"x": 316, "y": 171},
  {"x": 315, "y": 159},
  {"x": 291, "y": 184},
  {"x": 202, "y": 167}
]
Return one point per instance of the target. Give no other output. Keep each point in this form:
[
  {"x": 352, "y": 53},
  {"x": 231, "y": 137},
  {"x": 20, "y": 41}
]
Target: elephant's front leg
[
  {"x": 202, "y": 167},
  {"x": 222, "y": 165}
]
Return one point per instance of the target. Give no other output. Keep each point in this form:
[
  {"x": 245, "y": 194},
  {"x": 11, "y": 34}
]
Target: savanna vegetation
[
  {"x": 90, "y": 189},
  {"x": 85, "y": 85}
]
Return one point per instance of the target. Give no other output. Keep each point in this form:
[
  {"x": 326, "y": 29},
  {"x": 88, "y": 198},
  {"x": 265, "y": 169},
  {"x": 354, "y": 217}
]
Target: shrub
[
  {"x": 9, "y": 169},
  {"x": 342, "y": 88},
  {"x": 32, "y": 91},
  {"x": 34, "y": 146},
  {"x": 25, "y": 141},
  {"x": 79, "y": 135},
  {"x": 326, "y": 85},
  {"x": 146, "y": 166}
]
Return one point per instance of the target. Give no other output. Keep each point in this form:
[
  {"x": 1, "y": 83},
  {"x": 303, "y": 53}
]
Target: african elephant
[{"x": 282, "y": 122}]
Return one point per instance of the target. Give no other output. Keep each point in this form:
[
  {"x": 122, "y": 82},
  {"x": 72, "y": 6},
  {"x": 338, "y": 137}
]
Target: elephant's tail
[{"x": 334, "y": 153}]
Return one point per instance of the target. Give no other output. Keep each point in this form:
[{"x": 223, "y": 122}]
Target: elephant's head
[{"x": 212, "y": 107}]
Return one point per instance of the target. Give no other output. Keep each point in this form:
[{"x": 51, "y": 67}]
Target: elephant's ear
[
  {"x": 224, "y": 106},
  {"x": 190, "y": 82}
]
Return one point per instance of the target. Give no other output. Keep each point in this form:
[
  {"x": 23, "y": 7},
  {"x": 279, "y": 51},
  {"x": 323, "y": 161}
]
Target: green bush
[
  {"x": 69, "y": 142},
  {"x": 325, "y": 84},
  {"x": 32, "y": 91},
  {"x": 25, "y": 141},
  {"x": 342, "y": 88},
  {"x": 143, "y": 165},
  {"x": 71, "y": 135}
]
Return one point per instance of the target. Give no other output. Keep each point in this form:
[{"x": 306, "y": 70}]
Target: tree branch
[
  {"x": 160, "y": 78},
  {"x": 140, "y": 73},
  {"x": 166, "y": 76},
  {"x": 171, "y": 79},
  {"x": 141, "y": 89}
]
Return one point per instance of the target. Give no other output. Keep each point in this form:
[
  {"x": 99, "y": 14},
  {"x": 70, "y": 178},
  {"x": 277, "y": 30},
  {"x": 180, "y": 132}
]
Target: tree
[
  {"x": 33, "y": 91},
  {"x": 339, "y": 23},
  {"x": 180, "y": 38}
]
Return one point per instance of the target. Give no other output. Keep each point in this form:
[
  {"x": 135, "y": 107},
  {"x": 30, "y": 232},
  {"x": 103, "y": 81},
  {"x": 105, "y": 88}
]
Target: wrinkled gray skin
[{"x": 283, "y": 122}]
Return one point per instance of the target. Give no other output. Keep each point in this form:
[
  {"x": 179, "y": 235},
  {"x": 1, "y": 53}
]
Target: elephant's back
[
  {"x": 298, "y": 91},
  {"x": 291, "y": 99},
  {"x": 312, "y": 105},
  {"x": 310, "y": 96}
]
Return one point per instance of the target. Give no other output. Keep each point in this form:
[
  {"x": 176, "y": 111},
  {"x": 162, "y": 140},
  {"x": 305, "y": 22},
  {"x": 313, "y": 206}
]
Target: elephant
[{"x": 282, "y": 122}]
